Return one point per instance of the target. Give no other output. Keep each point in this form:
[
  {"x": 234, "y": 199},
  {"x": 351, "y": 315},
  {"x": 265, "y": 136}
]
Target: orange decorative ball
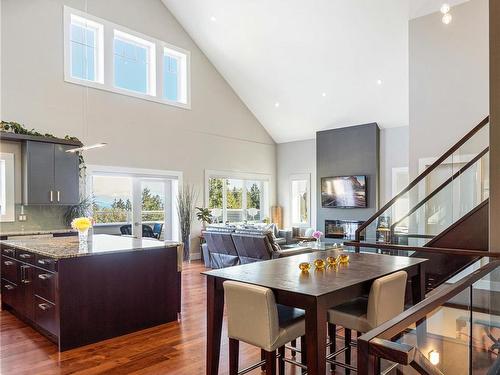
[
  {"x": 344, "y": 258},
  {"x": 332, "y": 261},
  {"x": 319, "y": 263},
  {"x": 305, "y": 266}
]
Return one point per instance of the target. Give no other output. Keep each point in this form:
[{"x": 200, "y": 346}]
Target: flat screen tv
[{"x": 343, "y": 192}]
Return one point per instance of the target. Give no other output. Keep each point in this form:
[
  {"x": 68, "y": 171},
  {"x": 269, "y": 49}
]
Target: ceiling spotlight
[
  {"x": 85, "y": 148},
  {"x": 447, "y": 19},
  {"x": 277, "y": 104},
  {"x": 213, "y": 19},
  {"x": 445, "y": 8},
  {"x": 323, "y": 94},
  {"x": 379, "y": 82}
]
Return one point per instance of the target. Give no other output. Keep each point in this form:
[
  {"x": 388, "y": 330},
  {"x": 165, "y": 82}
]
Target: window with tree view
[
  {"x": 236, "y": 200},
  {"x": 112, "y": 199}
]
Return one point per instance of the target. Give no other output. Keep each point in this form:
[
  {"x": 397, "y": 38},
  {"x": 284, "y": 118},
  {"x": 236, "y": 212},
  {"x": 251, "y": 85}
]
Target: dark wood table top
[{"x": 284, "y": 273}]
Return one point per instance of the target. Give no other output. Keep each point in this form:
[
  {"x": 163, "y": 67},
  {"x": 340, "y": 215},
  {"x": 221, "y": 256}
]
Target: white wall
[
  {"x": 448, "y": 78},
  {"x": 219, "y": 132},
  {"x": 300, "y": 157},
  {"x": 394, "y": 151},
  {"x": 296, "y": 158}
]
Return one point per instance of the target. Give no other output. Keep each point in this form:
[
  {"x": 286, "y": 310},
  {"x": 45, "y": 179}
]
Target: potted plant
[
  {"x": 204, "y": 215},
  {"x": 185, "y": 211},
  {"x": 82, "y": 209}
]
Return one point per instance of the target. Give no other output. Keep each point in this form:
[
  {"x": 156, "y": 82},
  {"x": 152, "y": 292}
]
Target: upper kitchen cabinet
[{"x": 51, "y": 175}]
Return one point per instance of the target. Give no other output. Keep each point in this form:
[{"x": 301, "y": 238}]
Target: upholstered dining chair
[
  {"x": 385, "y": 301},
  {"x": 255, "y": 318}
]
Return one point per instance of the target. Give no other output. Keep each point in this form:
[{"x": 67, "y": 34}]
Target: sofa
[{"x": 229, "y": 246}]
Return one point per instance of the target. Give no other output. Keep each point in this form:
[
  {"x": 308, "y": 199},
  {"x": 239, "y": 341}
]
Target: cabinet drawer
[
  {"x": 46, "y": 315},
  {"x": 25, "y": 256},
  {"x": 9, "y": 269},
  {"x": 8, "y": 251},
  {"x": 46, "y": 262},
  {"x": 10, "y": 293},
  {"x": 45, "y": 285}
]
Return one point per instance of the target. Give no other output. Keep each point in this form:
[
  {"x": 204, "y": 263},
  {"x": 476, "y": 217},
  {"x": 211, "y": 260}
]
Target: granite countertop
[
  {"x": 69, "y": 247},
  {"x": 34, "y": 232}
]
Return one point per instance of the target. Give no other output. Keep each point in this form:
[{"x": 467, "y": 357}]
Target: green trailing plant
[
  {"x": 82, "y": 209},
  {"x": 186, "y": 199},
  {"x": 204, "y": 215},
  {"x": 17, "y": 128}
]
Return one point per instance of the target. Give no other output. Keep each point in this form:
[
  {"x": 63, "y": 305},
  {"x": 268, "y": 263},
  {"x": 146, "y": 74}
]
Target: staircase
[{"x": 445, "y": 207}]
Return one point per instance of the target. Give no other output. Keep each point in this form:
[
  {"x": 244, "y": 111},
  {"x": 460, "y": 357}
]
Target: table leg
[
  {"x": 418, "y": 285},
  {"x": 316, "y": 338},
  {"x": 215, "y": 312},
  {"x": 418, "y": 294}
]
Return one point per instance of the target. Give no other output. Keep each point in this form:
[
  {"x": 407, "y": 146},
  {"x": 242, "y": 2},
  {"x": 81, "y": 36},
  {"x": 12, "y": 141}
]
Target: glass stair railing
[
  {"x": 454, "y": 331},
  {"x": 447, "y": 189}
]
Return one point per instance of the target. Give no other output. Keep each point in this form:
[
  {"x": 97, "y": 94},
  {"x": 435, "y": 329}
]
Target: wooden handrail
[
  {"x": 478, "y": 253},
  {"x": 442, "y": 186},
  {"x": 422, "y": 175},
  {"x": 404, "y": 354}
]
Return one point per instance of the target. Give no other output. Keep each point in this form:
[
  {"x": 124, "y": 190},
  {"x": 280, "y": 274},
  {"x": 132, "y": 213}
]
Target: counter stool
[
  {"x": 254, "y": 317},
  {"x": 385, "y": 301}
]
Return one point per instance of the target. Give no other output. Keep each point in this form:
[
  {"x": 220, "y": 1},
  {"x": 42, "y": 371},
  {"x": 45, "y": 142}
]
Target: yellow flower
[{"x": 81, "y": 223}]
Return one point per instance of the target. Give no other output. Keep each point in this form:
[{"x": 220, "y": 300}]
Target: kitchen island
[{"x": 79, "y": 295}]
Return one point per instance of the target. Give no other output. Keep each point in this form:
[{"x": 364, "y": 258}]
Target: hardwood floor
[{"x": 174, "y": 348}]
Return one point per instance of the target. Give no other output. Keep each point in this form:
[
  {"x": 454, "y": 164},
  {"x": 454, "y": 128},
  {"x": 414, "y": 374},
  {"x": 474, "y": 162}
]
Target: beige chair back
[
  {"x": 252, "y": 314},
  {"x": 387, "y": 298}
]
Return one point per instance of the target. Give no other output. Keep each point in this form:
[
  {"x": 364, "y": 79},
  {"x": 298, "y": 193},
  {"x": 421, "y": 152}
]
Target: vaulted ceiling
[{"x": 302, "y": 66}]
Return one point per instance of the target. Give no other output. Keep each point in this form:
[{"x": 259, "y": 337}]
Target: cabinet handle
[
  {"x": 44, "y": 306},
  {"x": 44, "y": 276},
  {"x": 8, "y": 287},
  {"x": 58, "y": 196},
  {"x": 51, "y": 196},
  {"x": 45, "y": 261},
  {"x": 25, "y": 256},
  {"x": 8, "y": 263},
  {"x": 24, "y": 278},
  {"x": 8, "y": 251}
]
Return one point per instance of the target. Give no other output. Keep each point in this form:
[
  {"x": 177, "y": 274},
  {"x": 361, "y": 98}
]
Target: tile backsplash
[{"x": 37, "y": 218}]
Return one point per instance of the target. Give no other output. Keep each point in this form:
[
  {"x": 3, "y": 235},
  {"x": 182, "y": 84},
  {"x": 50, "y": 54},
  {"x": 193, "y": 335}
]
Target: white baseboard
[{"x": 195, "y": 256}]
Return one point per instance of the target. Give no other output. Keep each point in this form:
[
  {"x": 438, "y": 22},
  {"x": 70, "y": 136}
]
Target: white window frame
[
  {"x": 73, "y": 18},
  {"x": 184, "y": 77},
  {"x": 151, "y": 63},
  {"x": 300, "y": 177},
  {"x": 7, "y": 190},
  {"x": 265, "y": 200},
  {"x": 175, "y": 177},
  {"x": 107, "y": 62}
]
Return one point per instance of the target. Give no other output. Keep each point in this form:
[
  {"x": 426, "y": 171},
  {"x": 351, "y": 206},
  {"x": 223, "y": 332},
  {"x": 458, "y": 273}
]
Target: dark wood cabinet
[
  {"x": 28, "y": 289},
  {"x": 76, "y": 300},
  {"x": 66, "y": 175},
  {"x": 51, "y": 175}
]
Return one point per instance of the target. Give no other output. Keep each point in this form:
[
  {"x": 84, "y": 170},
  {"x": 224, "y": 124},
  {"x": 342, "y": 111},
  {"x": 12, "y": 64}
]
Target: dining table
[{"x": 314, "y": 291}]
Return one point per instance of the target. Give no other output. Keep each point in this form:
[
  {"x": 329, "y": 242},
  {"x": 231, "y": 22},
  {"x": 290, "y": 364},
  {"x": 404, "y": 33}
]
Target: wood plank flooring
[{"x": 175, "y": 348}]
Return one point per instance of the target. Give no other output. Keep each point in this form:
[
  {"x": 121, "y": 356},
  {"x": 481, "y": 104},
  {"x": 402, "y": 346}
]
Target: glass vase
[{"x": 83, "y": 236}]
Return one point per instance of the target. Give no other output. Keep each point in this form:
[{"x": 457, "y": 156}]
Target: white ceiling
[{"x": 328, "y": 63}]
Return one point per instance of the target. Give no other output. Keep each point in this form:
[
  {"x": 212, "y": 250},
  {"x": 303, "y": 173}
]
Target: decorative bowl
[
  {"x": 319, "y": 264},
  {"x": 305, "y": 266}
]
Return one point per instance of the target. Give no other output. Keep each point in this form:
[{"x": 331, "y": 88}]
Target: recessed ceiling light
[
  {"x": 445, "y": 8},
  {"x": 323, "y": 94},
  {"x": 277, "y": 104},
  {"x": 447, "y": 19},
  {"x": 213, "y": 19},
  {"x": 379, "y": 82}
]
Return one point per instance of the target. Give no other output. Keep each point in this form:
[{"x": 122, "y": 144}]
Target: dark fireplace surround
[{"x": 341, "y": 229}]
